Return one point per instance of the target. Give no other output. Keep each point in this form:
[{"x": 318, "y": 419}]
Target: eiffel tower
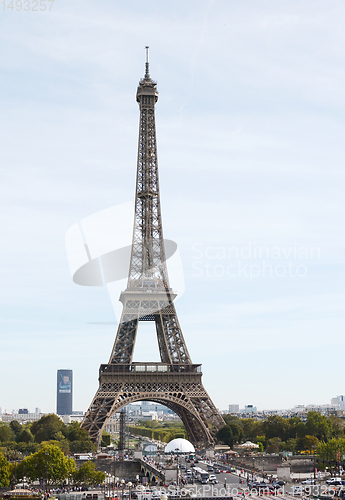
[{"x": 174, "y": 382}]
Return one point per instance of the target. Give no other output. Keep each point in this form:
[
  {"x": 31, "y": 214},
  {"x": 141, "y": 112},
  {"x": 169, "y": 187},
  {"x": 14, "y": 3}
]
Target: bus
[{"x": 201, "y": 475}]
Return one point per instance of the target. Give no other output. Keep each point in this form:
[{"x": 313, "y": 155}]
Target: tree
[
  {"x": 261, "y": 447},
  {"x": 291, "y": 444},
  {"x": 86, "y": 446},
  {"x": 106, "y": 439},
  {"x": 338, "y": 425},
  {"x": 79, "y": 438},
  {"x": 88, "y": 475},
  {"x": 76, "y": 433},
  {"x": 48, "y": 463},
  {"x": 5, "y": 471},
  {"x": 318, "y": 425},
  {"x": 251, "y": 428},
  {"x": 331, "y": 450},
  {"x": 273, "y": 445},
  {"x": 295, "y": 428},
  {"x": 25, "y": 436},
  {"x": 48, "y": 427},
  {"x": 230, "y": 434},
  {"x": 275, "y": 426},
  {"x": 310, "y": 442},
  {"x": 6, "y": 433},
  {"x": 261, "y": 440},
  {"x": 16, "y": 427}
]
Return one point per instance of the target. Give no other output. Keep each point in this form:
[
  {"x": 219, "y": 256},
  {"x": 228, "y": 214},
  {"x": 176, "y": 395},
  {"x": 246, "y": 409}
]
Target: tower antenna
[{"x": 147, "y": 74}]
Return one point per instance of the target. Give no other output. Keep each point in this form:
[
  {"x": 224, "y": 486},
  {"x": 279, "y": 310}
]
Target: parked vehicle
[{"x": 333, "y": 480}]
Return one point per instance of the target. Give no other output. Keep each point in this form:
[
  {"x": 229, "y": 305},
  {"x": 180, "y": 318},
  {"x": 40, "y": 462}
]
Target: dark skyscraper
[{"x": 64, "y": 392}]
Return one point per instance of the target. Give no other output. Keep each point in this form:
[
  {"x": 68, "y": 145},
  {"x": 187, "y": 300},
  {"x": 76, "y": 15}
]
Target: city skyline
[
  {"x": 250, "y": 148},
  {"x": 230, "y": 408}
]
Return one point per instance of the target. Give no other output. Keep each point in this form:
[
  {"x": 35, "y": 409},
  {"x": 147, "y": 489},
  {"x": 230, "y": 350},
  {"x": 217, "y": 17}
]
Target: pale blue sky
[{"x": 250, "y": 128}]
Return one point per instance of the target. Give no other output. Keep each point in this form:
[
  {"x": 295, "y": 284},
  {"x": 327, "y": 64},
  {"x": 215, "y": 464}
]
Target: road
[{"x": 227, "y": 482}]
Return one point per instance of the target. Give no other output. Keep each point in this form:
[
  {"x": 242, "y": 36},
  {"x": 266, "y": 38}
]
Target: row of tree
[
  {"x": 25, "y": 438},
  {"x": 161, "y": 431},
  {"x": 283, "y": 434},
  {"x": 50, "y": 466}
]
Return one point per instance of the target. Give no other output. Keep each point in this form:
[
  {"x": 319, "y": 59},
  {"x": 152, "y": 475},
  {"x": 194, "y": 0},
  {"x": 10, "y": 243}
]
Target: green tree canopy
[
  {"x": 230, "y": 434},
  {"x": 310, "y": 442},
  {"x": 251, "y": 428},
  {"x": 5, "y": 471},
  {"x": 86, "y": 474},
  {"x": 318, "y": 425},
  {"x": 331, "y": 450},
  {"x": 295, "y": 428},
  {"x": 273, "y": 445},
  {"x": 76, "y": 433},
  {"x": 25, "y": 436},
  {"x": 49, "y": 462},
  {"x": 275, "y": 426},
  {"x": 106, "y": 439},
  {"x": 6, "y": 433},
  {"x": 16, "y": 427},
  {"x": 48, "y": 427}
]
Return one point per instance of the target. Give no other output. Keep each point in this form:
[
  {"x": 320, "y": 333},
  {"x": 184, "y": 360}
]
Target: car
[
  {"x": 217, "y": 471},
  {"x": 308, "y": 481},
  {"x": 337, "y": 482},
  {"x": 210, "y": 468},
  {"x": 333, "y": 480},
  {"x": 281, "y": 483},
  {"x": 212, "y": 478}
]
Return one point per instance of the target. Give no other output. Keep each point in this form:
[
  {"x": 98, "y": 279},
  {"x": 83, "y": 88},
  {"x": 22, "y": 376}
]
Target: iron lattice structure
[
  {"x": 121, "y": 444},
  {"x": 174, "y": 382}
]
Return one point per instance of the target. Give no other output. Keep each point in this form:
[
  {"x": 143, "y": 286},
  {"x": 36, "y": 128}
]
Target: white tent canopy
[
  {"x": 247, "y": 444},
  {"x": 179, "y": 445}
]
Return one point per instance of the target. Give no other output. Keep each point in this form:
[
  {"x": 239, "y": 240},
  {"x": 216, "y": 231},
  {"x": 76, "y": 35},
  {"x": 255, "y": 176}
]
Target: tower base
[{"x": 178, "y": 387}]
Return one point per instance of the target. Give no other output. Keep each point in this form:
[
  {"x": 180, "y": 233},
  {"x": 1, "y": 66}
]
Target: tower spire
[{"x": 147, "y": 74}]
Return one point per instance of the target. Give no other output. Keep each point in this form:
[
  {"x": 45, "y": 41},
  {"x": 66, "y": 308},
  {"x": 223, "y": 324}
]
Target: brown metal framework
[
  {"x": 121, "y": 443},
  {"x": 175, "y": 382}
]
